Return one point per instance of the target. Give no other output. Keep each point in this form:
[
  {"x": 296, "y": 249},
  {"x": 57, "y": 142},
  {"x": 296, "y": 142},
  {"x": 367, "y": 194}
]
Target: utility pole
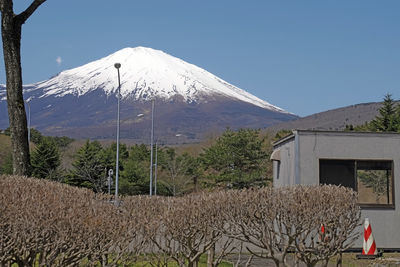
[
  {"x": 151, "y": 147},
  {"x": 28, "y": 101},
  {"x": 155, "y": 172}
]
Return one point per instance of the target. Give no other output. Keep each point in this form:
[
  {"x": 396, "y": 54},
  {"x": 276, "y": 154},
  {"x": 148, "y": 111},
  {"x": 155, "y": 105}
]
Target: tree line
[
  {"x": 387, "y": 119},
  {"x": 53, "y": 224},
  {"x": 235, "y": 159},
  {"x": 45, "y": 157}
]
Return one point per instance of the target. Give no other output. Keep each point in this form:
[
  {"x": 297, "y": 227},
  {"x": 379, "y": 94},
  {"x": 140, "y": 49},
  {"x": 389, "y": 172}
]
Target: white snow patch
[{"x": 145, "y": 73}]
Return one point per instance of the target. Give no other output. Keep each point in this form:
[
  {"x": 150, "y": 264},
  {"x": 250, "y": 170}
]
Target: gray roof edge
[
  {"x": 345, "y": 133},
  {"x": 284, "y": 139},
  {"x": 332, "y": 133}
]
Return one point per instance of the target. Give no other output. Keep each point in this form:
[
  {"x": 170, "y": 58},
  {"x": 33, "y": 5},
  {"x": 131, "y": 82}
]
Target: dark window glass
[
  {"x": 278, "y": 169},
  {"x": 373, "y": 180},
  {"x": 337, "y": 172}
]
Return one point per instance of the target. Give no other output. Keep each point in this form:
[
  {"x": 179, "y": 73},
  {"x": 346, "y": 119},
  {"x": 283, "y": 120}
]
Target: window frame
[{"x": 366, "y": 205}]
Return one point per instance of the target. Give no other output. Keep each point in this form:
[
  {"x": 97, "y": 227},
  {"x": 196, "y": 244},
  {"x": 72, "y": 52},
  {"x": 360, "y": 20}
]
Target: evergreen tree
[
  {"x": 397, "y": 117},
  {"x": 36, "y": 136},
  {"x": 366, "y": 127},
  {"x": 89, "y": 168},
  {"x": 236, "y": 159},
  {"x": 62, "y": 142},
  {"x": 45, "y": 160},
  {"x": 283, "y": 133},
  {"x": 135, "y": 174},
  {"x": 388, "y": 118},
  {"x": 349, "y": 128},
  {"x": 193, "y": 169},
  {"x": 109, "y": 154}
]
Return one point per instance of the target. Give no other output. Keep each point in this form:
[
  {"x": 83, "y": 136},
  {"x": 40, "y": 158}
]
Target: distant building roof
[{"x": 332, "y": 133}]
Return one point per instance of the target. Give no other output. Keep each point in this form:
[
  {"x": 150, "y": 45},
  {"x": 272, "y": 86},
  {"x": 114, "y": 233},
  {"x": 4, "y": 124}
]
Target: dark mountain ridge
[
  {"x": 335, "y": 119},
  {"x": 94, "y": 115}
]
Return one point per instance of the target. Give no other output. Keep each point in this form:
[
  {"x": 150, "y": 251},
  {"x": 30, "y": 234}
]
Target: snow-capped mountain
[
  {"x": 145, "y": 73},
  {"x": 85, "y": 96}
]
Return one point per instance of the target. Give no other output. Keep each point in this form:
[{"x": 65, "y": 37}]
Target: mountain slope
[
  {"x": 145, "y": 73},
  {"x": 81, "y": 102},
  {"x": 335, "y": 119}
]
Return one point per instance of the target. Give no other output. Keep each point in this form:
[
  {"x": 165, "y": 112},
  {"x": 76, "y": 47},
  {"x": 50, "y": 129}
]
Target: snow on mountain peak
[{"x": 145, "y": 73}]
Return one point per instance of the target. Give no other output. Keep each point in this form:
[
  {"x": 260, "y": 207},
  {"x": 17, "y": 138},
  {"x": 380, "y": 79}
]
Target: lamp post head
[
  {"x": 29, "y": 99},
  {"x": 117, "y": 65}
]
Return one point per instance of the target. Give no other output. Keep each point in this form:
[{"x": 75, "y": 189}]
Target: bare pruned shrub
[
  {"x": 46, "y": 223},
  {"x": 274, "y": 222},
  {"x": 185, "y": 229},
  {"x": 329, "y": 221},
  {"x": 249, "y": 216},
  {"x": 43, "y": 223},
  {"x": 143, "y": 213}
]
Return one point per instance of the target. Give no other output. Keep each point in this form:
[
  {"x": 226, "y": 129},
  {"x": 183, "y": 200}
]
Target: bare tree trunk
[
  {"x": 249, "y": 261},
  {"x": 11, "y": 27},
  {"x": 11, "y": 34},
  {"x": 211, "y": 256},
  {"x": 339, "y": 262}
]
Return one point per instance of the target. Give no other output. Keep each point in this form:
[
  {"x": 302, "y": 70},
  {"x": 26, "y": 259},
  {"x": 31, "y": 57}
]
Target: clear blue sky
[{"x": 303, "y": 56}]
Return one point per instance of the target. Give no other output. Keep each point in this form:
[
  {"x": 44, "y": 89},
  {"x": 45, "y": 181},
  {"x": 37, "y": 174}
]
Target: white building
[{"x": 367, "y": 162}]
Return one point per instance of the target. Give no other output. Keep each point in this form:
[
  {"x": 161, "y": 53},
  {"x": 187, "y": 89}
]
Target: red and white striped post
[
  {"x": 369, "y": 246},
  {"x": 369, "y": 250}
]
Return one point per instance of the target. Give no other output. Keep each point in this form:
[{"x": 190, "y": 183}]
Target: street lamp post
[
  {"x": 151, "y": 147},
  {"x": 117, "y": 66}
]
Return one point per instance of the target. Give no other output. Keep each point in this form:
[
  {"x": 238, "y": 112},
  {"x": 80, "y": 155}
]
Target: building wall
[
  {"x": 313, "y": 146},
  {"x": 285, "y": 171}
]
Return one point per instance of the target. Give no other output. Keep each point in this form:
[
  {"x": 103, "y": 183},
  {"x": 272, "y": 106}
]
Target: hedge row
[{"x": 50, "y": 224}]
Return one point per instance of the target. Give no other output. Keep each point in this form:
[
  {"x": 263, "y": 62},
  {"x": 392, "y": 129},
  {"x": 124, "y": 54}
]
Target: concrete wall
[
  {"x": 310, "y": 146},
  {"x": 370, "y": 146},
  {"x": 284, "y": 174}
]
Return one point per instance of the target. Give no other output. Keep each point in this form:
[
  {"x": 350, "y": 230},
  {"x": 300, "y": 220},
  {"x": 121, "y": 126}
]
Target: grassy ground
[
  {"x": 388, "y": 259},
  {"x": 202, "y": 263},
  {"x": 348, "y": 260}
]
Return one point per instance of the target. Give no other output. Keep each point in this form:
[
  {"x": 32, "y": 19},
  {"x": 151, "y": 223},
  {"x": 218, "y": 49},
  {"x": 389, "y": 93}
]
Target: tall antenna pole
[
  {"x": 151, "y": 147},
  {"x": 155, "y": 172},
  {"x": 28, "y": 101}
]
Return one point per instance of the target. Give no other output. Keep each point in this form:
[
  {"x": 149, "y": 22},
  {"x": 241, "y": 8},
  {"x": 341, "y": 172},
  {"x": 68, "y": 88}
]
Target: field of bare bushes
[{"x": 44, "y": 223}]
